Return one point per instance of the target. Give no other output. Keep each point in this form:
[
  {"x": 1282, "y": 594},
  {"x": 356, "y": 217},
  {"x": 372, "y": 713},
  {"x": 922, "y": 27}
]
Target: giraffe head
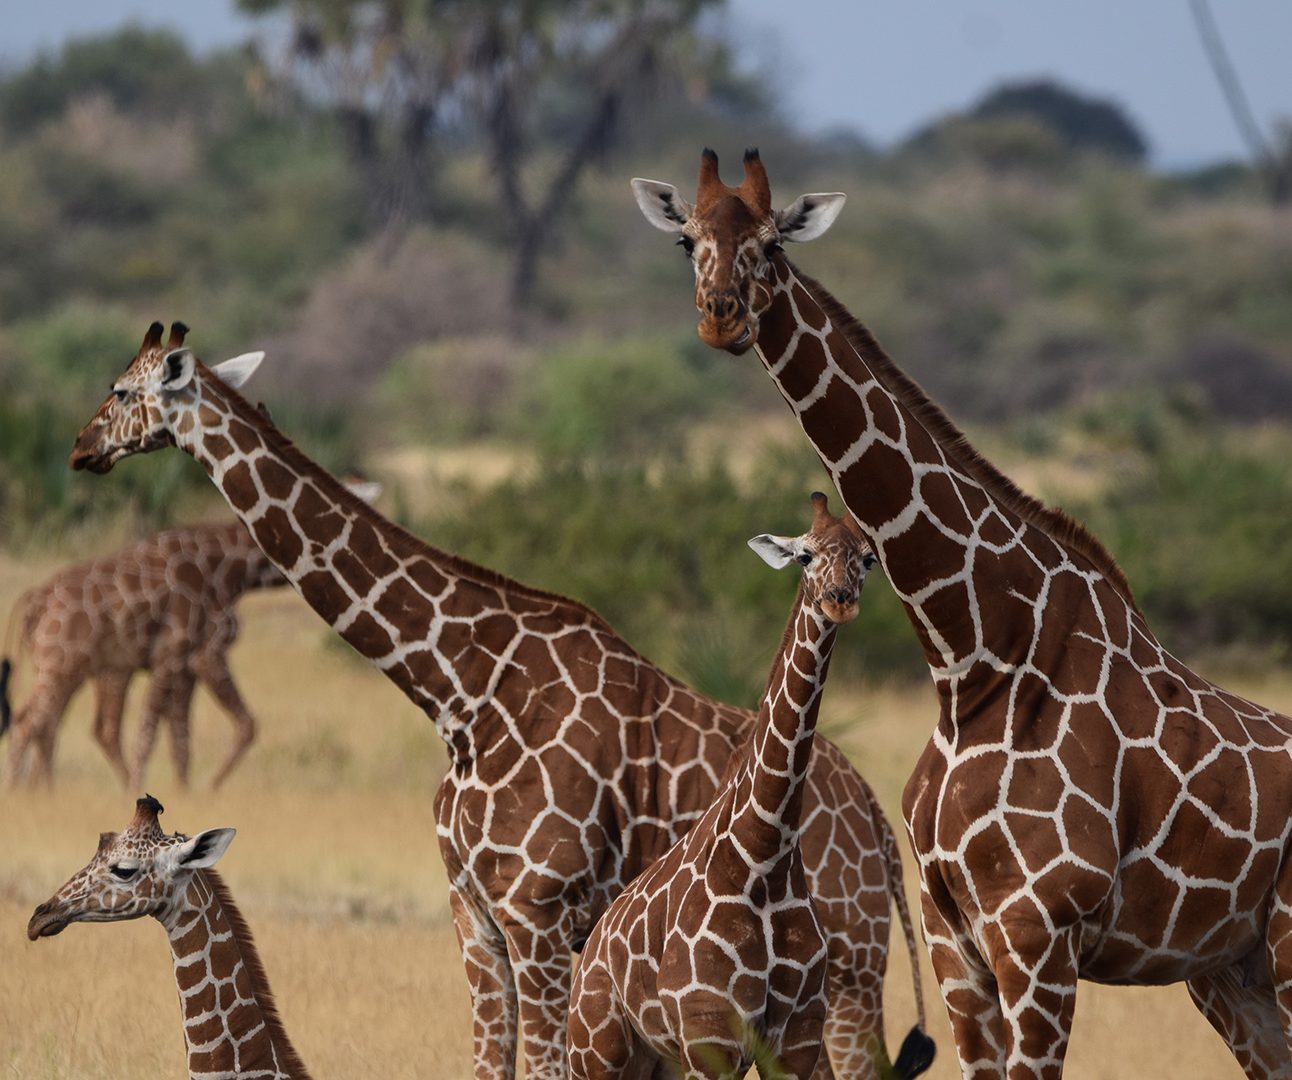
[
  {"x": 731, "y": 236},
  {"x": 138, "y": 871},
  {"x": 834, "y": 557},
  {"x": 147, "y": 401}
]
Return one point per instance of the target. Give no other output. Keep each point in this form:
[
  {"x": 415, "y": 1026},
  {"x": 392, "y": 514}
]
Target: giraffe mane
[
  {"x": 256, "y": 974},
  {"x": 1059, "y": 526},
  {"x": 409, "y": 544}
]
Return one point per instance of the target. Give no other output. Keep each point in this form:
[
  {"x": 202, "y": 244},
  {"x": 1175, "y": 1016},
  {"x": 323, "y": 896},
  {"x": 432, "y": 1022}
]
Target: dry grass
[{"x": 337, "y": 870}]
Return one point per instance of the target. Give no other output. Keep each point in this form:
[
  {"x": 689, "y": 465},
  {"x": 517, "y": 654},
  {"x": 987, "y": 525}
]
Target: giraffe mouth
[
  {"x": 735, "y": 338},
  {"x": 89, "y": 461},
  {"x": 46, "y": 923}
]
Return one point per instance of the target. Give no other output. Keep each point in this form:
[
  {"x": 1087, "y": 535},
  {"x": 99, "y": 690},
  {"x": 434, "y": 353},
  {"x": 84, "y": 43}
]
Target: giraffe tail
[
  {"x": 917, "y": 1050},
  {"x": 19, "y": 615},
  {"x": 6, "y": 711}
]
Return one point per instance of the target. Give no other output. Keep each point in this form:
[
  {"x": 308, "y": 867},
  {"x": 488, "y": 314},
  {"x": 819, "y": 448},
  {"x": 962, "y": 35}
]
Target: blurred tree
[
  {"x": 400, "y": 72},
  {"x": 1082, "y": 122},
  {"x": 1274, "y": 162},
  {"x": 134, "y": 68}
]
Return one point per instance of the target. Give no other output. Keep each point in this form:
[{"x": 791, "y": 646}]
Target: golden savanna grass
[{"x": 337, "y": 870}]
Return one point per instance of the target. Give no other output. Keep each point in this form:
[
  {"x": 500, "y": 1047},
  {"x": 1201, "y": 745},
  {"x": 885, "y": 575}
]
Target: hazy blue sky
[{"x": 885, "y": 67}]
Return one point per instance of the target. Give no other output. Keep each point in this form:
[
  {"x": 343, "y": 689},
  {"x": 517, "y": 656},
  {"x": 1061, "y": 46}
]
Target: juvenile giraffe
[
  {"x": 574, "y": 762},
  {"x": 232, "y": 1030},
  {"x": 713, "y": 958},
  {"x": 1087, "y": 806},
  {"x": 164, "y": 605}
]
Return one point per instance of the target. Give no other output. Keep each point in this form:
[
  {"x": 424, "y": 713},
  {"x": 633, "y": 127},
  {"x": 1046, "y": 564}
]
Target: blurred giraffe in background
[
  {"x": 164, "y": 605},
  {"x": 574, "y": 762}
]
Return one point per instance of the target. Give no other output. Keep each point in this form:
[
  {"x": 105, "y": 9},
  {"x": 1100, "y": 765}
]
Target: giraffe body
[
  {"x": 1087, "y": 806},
  {"x": 574, "y": 762},
  {"x": 164, "y": 605},
  {"x": 713, "y": 958},
  {"x": 232, "y": 1030}
]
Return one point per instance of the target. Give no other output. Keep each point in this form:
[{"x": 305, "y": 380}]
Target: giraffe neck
[
  {"x": 767, "y": 824},
  {"x": 960, "y": 545},
  {"x": 440, "y": 628},
  {"x": 231, "y": 1025}
]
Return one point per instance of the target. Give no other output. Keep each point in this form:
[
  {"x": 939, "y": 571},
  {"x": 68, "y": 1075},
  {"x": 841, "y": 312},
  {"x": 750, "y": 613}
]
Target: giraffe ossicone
[
  {"x": 1087, "y": 806},
  {"x": 232, "y": 1028},
  {"x": 574, "y": 761},
  {"x": 713, "y": 959}
]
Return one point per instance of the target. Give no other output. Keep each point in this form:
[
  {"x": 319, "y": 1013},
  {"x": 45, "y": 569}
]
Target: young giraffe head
[
  {"x": 148, "y": 403},
  {"x": 731, "y": 236},
  {"x": 138, "y": 871},
  {"x": 834, "y": 557}
]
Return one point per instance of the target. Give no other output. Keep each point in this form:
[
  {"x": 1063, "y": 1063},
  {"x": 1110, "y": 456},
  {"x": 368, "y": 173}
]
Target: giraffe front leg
[
  {"x": 602, "y": 1044},
  {"x": 1246, "y": 1014},
  {"x": 211, "y": 665},
  {"x": 970, "y": 995},
  {"x": 1036, "y": 976},
  {"x": 169, "y": 694},
  {"x": 1278, "y": 938},
  {"x": 493, "y": 992},
  {"x": 540, "y": 963},
  {"x": 110, "y": 702}
]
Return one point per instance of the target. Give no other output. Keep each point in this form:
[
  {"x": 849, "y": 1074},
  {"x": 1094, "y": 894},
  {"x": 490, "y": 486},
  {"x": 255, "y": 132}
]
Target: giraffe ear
[
  {"x": 178, "y": 366},
  {"x": 663, "y": 206},
  {"x": 808, "y": 216},
  {"x": 204, "y": 849},
  {"x": 776, "y": 551},
  {"x": 233, "y": 373}
]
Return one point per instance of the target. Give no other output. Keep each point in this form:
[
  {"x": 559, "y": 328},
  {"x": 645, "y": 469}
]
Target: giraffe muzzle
[
  {"x": 46, "y": 921},
  {"x": 735, "y": 336}
]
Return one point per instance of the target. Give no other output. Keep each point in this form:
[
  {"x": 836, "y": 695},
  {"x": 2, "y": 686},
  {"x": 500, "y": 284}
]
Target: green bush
[{"x": 662, "y": 555}]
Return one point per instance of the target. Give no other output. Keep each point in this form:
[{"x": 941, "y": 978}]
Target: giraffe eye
[
  {"x": 772, "y": 248},
  {"x": 687, "y": 245},
  {"x": 805, "y": 558},
  {"x": 119, "y": 393},
  {"x": 123, "y": 873}
]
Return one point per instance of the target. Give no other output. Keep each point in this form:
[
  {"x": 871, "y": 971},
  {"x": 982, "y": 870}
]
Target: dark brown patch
[
  {"x": 277, "y": 536},
  {"x": 324, "y": 594},
  {"x": 240, "y": 487},
  {"x": 403, "y": 606},
  {"x": 275, "y": 479},
  {"x": 368, "y": 636}
]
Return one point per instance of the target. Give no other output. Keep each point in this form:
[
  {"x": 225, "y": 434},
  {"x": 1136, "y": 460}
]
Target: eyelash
[{"x": 687, "y": 245}]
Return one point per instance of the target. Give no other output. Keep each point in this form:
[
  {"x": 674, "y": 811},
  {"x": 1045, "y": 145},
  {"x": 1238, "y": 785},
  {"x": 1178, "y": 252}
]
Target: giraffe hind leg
[{"x": 1247, "y": 1018}]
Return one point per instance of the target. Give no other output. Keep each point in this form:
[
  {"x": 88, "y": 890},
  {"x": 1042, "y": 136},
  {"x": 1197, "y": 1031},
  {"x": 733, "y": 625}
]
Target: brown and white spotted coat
[
  {"x": 574, "y": 762},
  {"x": 713, "y": 958},
  {"x": 1087, "y": 806},
  {"x": 232, "y": 1030},
  {"x": 164, "y": 605}
]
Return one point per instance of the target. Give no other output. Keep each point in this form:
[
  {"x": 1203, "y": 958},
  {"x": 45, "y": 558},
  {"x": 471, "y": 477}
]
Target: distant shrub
[
  {"x": 453, "y": 389},
  {"x": 662, "y": 555},
  {"x": 609, "y": 401},
  {"x": 1201, "y": 527}
]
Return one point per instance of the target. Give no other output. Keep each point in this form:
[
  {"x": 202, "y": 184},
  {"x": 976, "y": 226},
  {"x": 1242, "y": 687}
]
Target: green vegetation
[{"x": 1127, "y": 328}]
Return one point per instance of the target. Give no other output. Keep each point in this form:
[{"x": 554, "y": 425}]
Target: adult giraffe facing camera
[
  {"x": 1088, "y": 806},
  {"x": 574, "y": 762}
]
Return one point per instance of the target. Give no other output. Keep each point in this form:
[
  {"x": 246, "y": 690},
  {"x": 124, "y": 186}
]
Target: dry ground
[{"x": 336, "y": 869}]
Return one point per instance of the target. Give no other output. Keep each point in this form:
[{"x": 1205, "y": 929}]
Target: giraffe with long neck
[
  {"x": 574, "y": 762},
  {"x": 1087, "y": 806},
  {"x": 232, "y": 1029},
  {"x": 713, "y": 959},
  {"x": 165, "y": 605}
]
